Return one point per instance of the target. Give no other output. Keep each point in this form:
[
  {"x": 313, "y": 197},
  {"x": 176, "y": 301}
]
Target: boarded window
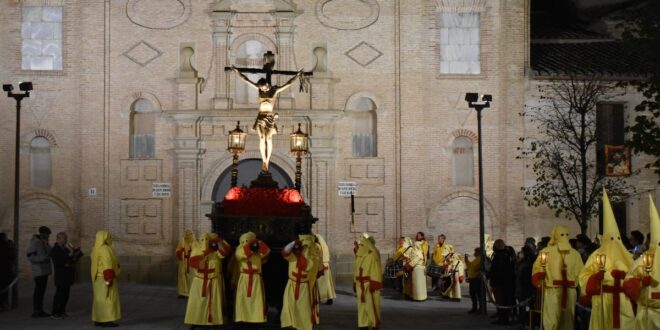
[
  {"x": 463, "y": 161},
  {"x": 41, "y": 34},
  {"x": 364, "y": 128},
  {"x": 142, "y": 137},
  {"x": 459, "y": 43},
  {"x": 40, "y": 163}
]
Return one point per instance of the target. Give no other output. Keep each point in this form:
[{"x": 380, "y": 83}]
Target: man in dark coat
[
  {"x": 64, "y": 257},
  {"x": 39, "y": 255}
]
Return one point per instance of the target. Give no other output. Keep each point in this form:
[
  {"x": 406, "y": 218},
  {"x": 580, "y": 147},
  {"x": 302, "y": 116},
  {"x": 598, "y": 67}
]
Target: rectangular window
[
  {"x": 41, "y": 31},
  {"x": 609, "y": 130},
  {"x": 459, "y": 43}
]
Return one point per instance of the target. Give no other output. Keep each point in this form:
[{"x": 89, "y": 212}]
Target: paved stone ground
[{"x": 156, "y": 307}]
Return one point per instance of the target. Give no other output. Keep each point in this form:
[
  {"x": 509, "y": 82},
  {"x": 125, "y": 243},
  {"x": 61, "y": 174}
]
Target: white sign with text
[
  {"x": 161, "y": 189},
  {"x": 347, "y": 188}
]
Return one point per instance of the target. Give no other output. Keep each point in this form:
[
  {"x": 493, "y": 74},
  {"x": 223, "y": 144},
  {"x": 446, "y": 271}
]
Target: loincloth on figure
[{"x": 266, "y": 120}]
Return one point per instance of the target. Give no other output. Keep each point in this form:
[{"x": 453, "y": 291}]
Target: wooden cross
[{"x": 269, "y": 63}]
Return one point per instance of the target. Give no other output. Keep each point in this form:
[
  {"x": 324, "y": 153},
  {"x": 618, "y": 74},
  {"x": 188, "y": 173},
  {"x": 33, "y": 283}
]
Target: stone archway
[{"x": 457, "y": 216}]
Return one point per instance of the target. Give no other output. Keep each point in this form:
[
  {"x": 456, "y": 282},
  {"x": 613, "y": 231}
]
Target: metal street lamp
[
  {"x": 299, "y": 146},
  {"x": 236, "y": 145},
  {"x": 25, "y": 87},
  {"x": 479, "y": 102}
]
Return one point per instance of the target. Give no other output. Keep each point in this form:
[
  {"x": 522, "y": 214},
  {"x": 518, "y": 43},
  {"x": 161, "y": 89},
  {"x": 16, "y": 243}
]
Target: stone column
[
  {"x": 187, "y": 160},
  {"x": 221, "y": 35},
  {"x": 284, "y": 61}
]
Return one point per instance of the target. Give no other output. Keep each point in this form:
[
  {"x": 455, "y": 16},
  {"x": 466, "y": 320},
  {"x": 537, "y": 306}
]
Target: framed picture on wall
[{"x": 617, "y": 161}]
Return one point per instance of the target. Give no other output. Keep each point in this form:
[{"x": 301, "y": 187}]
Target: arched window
[
  {"x": 40, "y": 163},
  {"x": 143, "y": 127},
  {"x": 364, "y": 127},
  {"x": 463, "y": 161},
  {"x": 249, "y": 54}
]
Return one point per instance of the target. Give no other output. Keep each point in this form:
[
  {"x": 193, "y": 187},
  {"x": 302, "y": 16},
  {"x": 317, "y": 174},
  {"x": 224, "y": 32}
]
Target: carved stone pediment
[{"x": 254, "y": 6}]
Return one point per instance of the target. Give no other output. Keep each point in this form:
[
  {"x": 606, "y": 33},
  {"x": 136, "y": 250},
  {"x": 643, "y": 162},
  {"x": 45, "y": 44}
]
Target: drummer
[{"x": 440, "y": 251}]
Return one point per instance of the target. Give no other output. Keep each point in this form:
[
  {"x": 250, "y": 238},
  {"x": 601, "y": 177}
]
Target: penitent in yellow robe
[
  {"x": 300, "y": 297},
  {"x": 105, "y": 270},
  {"x": 368, "y": 280},
  {"x": 185, "y": 275},
  {"x": 440, "y": 252},
  {"x": 454, "y": 268},
  {"x": 558, "y": 311},
  {"x": 206, "y": 301},
  {"x": 643, "y": 280},
  {"x": 610, "y": 306},
  {"x": 250, "y": 300},
  {"x": 325, "y": 282}
]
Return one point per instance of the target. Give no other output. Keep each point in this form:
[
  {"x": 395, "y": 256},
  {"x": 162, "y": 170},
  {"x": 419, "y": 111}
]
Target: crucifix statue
[{"x": 265, "y": 122}]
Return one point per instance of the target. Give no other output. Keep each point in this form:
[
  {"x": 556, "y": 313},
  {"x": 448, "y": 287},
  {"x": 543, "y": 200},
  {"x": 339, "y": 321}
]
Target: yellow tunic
[
  {"x": 300, "y": 297},
  {"x": 557, "y": 313},
  {"x": 610, "y": 306},
  {"x": 184, "y": 275},
  {"x": 440, "y": 252},
  {"x": 105, "y": 270},
  {"x": 325, "y": 282},
  {"x": 648, "y": 301},
  {"x": 417, "y": 279},
  {"x": 368, "y": 280},
  {"x": 206, "y": 301},
  {"x": 250, "y": 300}
]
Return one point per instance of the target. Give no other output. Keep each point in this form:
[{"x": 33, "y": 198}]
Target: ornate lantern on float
[
  {"x": 299, "y": 146},
  {"x": 236, "y": 145}
]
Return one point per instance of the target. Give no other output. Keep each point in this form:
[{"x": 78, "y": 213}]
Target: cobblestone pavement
[{"x": 156, "y": 307}]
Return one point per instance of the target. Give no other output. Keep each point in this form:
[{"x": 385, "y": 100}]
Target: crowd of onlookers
[{"x": 510, "y": 273}]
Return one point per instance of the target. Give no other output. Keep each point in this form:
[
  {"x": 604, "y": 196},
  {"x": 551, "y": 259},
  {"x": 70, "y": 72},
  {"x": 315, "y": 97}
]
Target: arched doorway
[{"x": 248, "y": 170}]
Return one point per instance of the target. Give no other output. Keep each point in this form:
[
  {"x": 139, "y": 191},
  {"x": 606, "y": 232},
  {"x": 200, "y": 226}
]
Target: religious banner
[{"x": 617, "y": 160}]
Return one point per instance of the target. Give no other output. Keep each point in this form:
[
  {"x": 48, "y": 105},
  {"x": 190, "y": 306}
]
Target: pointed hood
[
  {"x": 655, "y": 225},
  {"x": 654, "y": 245},
  {"x": 187, "y": 240},
  {"x": 559, "y": 238},
  {"x": 611, "y": 245}
]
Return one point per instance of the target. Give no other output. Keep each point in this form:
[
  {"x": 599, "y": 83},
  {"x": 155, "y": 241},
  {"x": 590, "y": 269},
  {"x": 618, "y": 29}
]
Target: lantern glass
[
  {"x": 299, "y": 142},
  {"x": 236, "y": 140}
]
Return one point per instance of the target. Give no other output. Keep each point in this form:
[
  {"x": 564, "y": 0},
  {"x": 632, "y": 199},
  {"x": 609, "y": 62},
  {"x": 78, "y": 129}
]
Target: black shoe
[
  {"x": 473, "y": 311},
  {"x": 56, "y": 316},
  {"x": 106, "y": 324},
  {"x": 40, "y": 314},
  {"x": 329, "y": 302},
  {"x": 64, "y": 315}
]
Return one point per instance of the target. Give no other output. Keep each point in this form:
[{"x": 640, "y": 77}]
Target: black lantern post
[
  {"x": 236, "y": 145},
  {"x": 299, "y": 146},
  {"x": 25, "y": 87},
  {"x": 479, "y": 102}
]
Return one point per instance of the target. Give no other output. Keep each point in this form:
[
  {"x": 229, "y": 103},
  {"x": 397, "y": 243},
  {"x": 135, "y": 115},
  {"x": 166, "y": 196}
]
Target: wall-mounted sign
[
  {"x": 347, "y": 188},
  {"x": 161, "y": 189}
]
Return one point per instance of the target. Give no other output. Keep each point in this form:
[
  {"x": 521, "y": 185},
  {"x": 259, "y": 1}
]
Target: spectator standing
[
  {"x": 64, "y": 257},
  {"x": 7, "y": 260},
  {"x": 475, "y": 281},
  {"x": 524, "y": 288},
  {"x": 637, "y": 243},
  {"x": 502, "y": 279},
  {"x": 39, "y": 255}
]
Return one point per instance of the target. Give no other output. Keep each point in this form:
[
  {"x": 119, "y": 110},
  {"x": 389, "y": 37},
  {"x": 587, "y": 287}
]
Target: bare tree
[{"x": 562, "y": 155}]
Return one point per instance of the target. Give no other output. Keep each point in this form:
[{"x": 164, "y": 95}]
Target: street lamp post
[
  {"x": 299, "y": 146},
  {"x": 25, "y": 87},
  {"x": 479, "y": 102},
  {"x": 236, "y": 145}
]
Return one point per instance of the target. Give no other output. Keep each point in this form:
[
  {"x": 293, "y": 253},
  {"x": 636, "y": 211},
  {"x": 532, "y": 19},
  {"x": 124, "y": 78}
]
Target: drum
[
  {"x": 392, "y": 268},
  {"x": 434, "y": 270}
]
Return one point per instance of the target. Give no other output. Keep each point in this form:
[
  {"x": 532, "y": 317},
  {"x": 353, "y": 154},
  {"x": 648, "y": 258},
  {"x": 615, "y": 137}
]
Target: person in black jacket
[
  {"x": 7, "y": 260},
  {"x": 502, "y": 278},
  {"x": 64, "y": 257}
]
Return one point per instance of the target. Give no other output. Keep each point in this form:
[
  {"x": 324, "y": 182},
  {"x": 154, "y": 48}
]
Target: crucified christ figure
[{"x": 265, "y": 123}]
